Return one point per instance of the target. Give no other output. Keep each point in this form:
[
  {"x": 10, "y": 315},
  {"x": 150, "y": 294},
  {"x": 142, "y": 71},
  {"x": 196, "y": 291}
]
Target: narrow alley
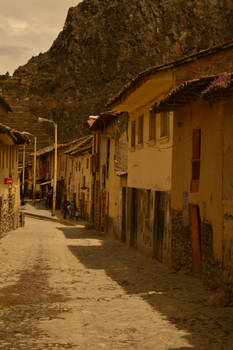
[{"x": 68, "y": 287}]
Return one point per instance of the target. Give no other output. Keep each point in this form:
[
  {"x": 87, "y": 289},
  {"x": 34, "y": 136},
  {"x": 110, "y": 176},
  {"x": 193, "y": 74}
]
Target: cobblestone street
[{"x": 71, "y": 288}]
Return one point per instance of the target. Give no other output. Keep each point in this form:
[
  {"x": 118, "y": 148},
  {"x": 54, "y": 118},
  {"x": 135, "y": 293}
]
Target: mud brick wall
[{"x": 9, "y": 214}]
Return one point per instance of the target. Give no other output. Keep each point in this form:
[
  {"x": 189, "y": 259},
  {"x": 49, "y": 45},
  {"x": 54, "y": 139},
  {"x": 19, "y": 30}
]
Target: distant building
[
  {"x": 79, "y": 176},
  {"x": 109, "y": 170}
]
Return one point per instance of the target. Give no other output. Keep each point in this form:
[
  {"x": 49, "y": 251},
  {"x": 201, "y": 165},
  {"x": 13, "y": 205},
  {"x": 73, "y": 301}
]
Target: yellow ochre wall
[
  {"x": 8, "y": 147},
  {"x": 209, "y": 196},
  {"x": 113, "y": 181},
  {"x": 149, "y": 164}
]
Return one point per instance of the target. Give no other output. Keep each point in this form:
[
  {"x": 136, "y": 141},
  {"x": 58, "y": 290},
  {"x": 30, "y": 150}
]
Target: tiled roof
[
  {"x": 143, "y": 76},
  {"x": 183, "y": 94},
  {"x": 210, "y": 88},
  {"x": 83, "y": 144},
  {"x": 103, "y": 120}
]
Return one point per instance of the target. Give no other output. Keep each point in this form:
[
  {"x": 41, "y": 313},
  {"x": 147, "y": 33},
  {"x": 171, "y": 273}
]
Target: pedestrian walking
[
  {"x": 65, "y": 207},
  {"x": 72, "y": 209}
]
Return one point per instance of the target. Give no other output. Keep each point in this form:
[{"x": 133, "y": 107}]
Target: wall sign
[{"x": 8, "y": 181}]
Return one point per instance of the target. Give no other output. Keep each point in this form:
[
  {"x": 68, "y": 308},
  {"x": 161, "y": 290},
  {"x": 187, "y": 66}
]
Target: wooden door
[
  {"x": 123, "y": 223},
  {"x": 133, "y": 224},
  {"x": 195, "y": 238},
  {"x": 159, "y": 223}
]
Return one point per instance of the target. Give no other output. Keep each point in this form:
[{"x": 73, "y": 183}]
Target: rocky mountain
[{"x": 104, "y": 43}]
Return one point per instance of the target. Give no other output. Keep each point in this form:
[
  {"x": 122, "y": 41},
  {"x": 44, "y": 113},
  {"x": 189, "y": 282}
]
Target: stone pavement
[
  {"x": 72, "y": 288},
  {"x": 39, "y": 210}
]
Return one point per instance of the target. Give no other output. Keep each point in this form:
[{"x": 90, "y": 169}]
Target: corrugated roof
[
  {"x": 64, "y": 146},
  {"x": 18, "y": 137},
  {"x": 84, "y": 144}
]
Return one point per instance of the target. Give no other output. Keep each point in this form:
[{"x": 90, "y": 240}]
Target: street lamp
[
  {"x": 34, "y": 167},
  {"x": 44, "y": 120}
]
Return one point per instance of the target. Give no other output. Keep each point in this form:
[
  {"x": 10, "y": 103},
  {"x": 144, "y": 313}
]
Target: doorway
[
  {"x": 133, "y": 222},
  {"x": 159, "y": 224},
  {"x": 195, "y": 232},
  {"x": 123, "y": 220}
]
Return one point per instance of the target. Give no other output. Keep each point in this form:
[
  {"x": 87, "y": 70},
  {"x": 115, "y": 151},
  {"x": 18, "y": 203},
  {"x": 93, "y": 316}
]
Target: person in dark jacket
[{"x": 66, "y": 203}]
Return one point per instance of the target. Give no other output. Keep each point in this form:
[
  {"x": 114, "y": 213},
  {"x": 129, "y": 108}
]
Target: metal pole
[
  {"x": 34, "y": 173},
  {"x": 23, "y": 177},
  {"x": 55, "y": 171}
]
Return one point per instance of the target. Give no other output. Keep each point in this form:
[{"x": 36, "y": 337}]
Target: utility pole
[
  {"x": 34, "y": 173},
  {"x": 42, "y": 120},
  {"x": 55, "y": 171},
  {"x": 23, "y": 175}
]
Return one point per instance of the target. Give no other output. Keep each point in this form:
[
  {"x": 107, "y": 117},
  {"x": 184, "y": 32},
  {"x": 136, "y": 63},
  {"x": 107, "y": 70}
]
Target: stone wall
[
  {"x": 10, "y": 217},
  {"x": 214, "y": 273}
]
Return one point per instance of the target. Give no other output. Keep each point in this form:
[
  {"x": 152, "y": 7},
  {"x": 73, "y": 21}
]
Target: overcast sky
[{"x": 28, "y": 27}]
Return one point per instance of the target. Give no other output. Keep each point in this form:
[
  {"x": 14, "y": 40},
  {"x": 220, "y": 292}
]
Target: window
[
  {"x": 133, "y": 133},
  {"x": 196, "y": 154},
  {"x": 7, "y": 157},
  {"x": 87, "y": 164},
  {"x": 152, "y": 126},
  {"x": 164, "y": 124},
  {"x": 94, "y": 150},
  {"x": 108, "y": 156},
  {"x": 140, "y": 129},
  {"x": 148, "y": 204}
]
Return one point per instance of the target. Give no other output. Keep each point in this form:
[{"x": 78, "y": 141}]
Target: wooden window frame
[
  {"x": 164, "y": 125},
  {"x": 196, "y": 160},
  {"x": 133, "y": 133},
  {"x": 152, "y": 126},
  {"x": 140, "y": 129}
]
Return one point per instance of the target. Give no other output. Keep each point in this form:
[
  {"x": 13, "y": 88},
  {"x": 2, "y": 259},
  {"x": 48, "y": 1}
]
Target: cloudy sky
[{"x": 28, "y": 27}]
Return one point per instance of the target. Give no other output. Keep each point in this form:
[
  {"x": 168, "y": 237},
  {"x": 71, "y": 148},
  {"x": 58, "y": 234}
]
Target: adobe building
[
  {"x": 79, "y": 181},
  {"x": 109, "y": 171},
  {"x": 202, "y": 173},
  {"x": 10, "y": 140},
  {"x": 151, "y": 165}
]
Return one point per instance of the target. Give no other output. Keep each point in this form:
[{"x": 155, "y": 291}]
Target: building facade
[
  {"x": 10, "y": 140},
  {"x": 202, "y": 189},
  {"x": 109, "y": 170}
]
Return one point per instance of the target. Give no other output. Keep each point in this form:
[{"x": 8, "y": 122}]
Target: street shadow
[
  {"x": 181, "y": 299},
  {"x": 80, "y": 233}
]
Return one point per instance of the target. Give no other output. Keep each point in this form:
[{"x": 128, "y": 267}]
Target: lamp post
[
  {"x": 23, "y": 175},
  {"x": 34, "y": 167},
  {"x": 44, "y": 120},
  {"x": 34, "y": 173}
]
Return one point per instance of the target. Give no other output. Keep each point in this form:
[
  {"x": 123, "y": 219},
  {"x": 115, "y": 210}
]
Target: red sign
[{"x": 8, "y": 181}]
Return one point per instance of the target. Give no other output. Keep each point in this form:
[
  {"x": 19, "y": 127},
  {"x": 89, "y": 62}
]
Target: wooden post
[
  {"x": 34, "y": 173},
  {"x": 23, "y": 177},
  {"x": 55, "y": 171}
]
